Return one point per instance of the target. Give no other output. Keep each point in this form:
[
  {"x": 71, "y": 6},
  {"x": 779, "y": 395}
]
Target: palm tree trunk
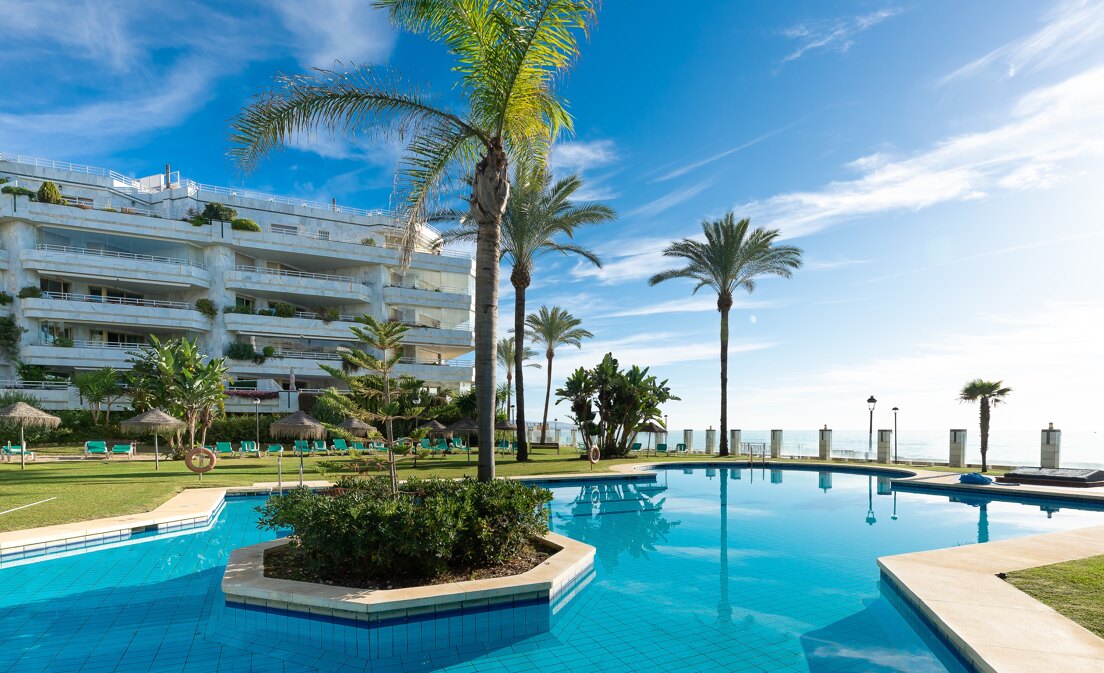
[
  {"x": 520, "y": 279},
  {"x": 547, "y": 396},
  {"x": 490, "y": 192},
  {"x": 724, "y": 303},
  {"x": 509, "y": 392},
  {"x": 984, "y": 434}
]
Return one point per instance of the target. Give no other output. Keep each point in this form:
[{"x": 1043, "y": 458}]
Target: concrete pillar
[
  {"x": 688, "y": 439},
  {"x": 1050, "y": 447},
  {"x": 573, "y": 437},
  {"x": 776, "y": 444},
  {"x": 557, "y": 435},
  {"x": 710, "y": 440},
  {"x": 824, "y": 481},
  {"x": 958, "y": 448},
  {"x": 776, "y": 476},
  {"x": 885, "y": 486},
  {"x": 220, "y": 260},
  {"x": 734, "y": 441},
  {"x": 885, "y": 446},
  {"x": 825, "y": 444}
]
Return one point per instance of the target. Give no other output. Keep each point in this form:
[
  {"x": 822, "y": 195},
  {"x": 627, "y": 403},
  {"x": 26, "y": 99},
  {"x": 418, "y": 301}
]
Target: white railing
[
  {"x": 120, "y": 255},
  {"x": 343, "y": 317},
  {"x": 126, "y": 301},
  {"x": 427, "y": 287},
  {"x": 16, "y": 384},
  {"x": 295, "y": 274},
  {"x": 84, "y": 343},
  {"x": 306, "y": 355},
  {"x": 458, "y": 362},
  {"x": 434, "y": 324},
  {"x": 284, "y": 200},
  {"x": 109, "y": 207}
]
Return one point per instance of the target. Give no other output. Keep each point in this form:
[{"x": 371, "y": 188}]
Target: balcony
[
  {"x": 71, "y": 262},
  {"x": 81, "y": 355},
  {"x": 302, "y": 363},
  {"x": 433, "y": 371},
  {"x": 460, "y": 336},
  {"x": 279, "y": 282},
  {"x": 99, "y": 310},
  {"x": 303, "y": 326},
  {"x": 417, "y": 294}
]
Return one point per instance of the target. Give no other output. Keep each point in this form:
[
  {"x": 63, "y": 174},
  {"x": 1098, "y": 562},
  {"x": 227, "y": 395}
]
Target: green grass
[
  {"x": 1073, "y": 588},
  {"x": 92, "y": 489}
]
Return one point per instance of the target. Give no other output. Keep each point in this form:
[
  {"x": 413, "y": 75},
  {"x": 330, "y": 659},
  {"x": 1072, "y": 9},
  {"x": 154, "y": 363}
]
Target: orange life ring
[
  {"x": 595, "y": 455},
  {"x": 200, "y": 460}
]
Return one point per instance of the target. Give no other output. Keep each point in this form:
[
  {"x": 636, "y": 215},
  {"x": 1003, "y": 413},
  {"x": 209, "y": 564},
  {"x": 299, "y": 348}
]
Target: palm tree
[
  {"x": 509, "y": 56},
  {"x": 730, "y": 258},
  {"x": 540, "y": 217},
  {"x": 506, "y": 356},
  {"x": 553, "y": 327},
  {"x": 987, "y": 393}
]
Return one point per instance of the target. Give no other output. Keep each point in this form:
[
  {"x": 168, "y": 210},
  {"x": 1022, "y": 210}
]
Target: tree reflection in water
[{"x": 625, "y": 517}]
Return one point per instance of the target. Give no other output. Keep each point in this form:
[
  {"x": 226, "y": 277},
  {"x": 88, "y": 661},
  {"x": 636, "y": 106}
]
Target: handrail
[
  {"x": 17, "y": 384},
  {"x": 286, "y": 200},
  {"x": 120, "y": 255},
  {"x": 306, "y": 355},
  {"x": 462, "y": 327},
  {"x": 457, "y": 362},
  {"x": 99, "y": 299},
  {"x": 342, "y": 317},
  {"x": 295, "y": 274},
  {"x": 427, "y": 287},
  {"x": 84, "y": 343}
]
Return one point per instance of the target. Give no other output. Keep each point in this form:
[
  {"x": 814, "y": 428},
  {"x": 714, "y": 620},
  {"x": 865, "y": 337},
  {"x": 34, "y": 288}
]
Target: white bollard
[
  {"x": 885, "y": 442},
  {"x": 573, "y": 437},
  {"x": 825, "y": 444},
  {"x": 710, "y": 440},
  {"x": 734, "y": 441},
  {"x": 776, "y": 443},
  {"x": 688, "y": 439},
  {"x": 958, "y": 448},
  {"x": 1050, "y": 447}
]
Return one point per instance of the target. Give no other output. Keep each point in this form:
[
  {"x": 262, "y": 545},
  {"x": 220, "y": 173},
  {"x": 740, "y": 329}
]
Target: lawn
[
  {"x": 92, "y": 489},
  {"x": 1075, "y": 589}
]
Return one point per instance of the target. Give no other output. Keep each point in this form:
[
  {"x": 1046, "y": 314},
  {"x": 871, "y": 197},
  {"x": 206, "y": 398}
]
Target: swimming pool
[{"x": 701, "y": 569}]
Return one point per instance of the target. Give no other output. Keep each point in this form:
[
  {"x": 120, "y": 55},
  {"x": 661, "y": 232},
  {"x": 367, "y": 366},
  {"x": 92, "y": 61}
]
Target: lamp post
[
  {"x": 257, "y": 409},
  {"x": 870, "y": 520},
  {"x": 870, "y": 437},
  {"x": 666, "y": 430},
  {"x": 895, "y": 410}
]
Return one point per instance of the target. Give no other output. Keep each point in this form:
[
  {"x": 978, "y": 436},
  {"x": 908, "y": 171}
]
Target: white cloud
[
  {"x": 835, "y": 35},
  {"x": 1071, "y": 27},
  {"x": 683, "y": 170},
  {"x": 579, "y": 156},
  {"x": 832, "y": 265},
  {"x": 703, "y": 302},
  {"x": 625, "y": 259},
  {"x": 670, "y": 200},
  {"x": 328, "y": 31},
  {"x": 647, "y": 351},
  {"x": 1049, "y": 130}
]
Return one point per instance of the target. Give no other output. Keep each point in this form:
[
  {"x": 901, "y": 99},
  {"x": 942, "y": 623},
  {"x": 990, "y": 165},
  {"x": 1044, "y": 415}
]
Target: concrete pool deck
[{"x": 991, "y": 624}]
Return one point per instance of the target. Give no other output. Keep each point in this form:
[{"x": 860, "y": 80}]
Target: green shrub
[
  {"x": 328, "y": 315},
  {"x": 19, "y": 191},
  {"x": 266, "y": 311},
  {"x": 239, "y": 350},
  {"x": 218, "y": 211},
  {"x": 30, "y": 292},
  {"x": 11, "y": 334},
  {"x": 244, "y": 224},
  {"x": 207, "y": 308},
  {"x": 63, "y": 341},
  {"x": 434, "y": 525},
  {"x": 5, "y": 298},
  {"x": 284, "y": 310},
  {"x": 49, "y": 193},
  {"x": 268, "y": 351},
  {"x": 239, "y": 308},
  {"x": 369, "y": 241}
]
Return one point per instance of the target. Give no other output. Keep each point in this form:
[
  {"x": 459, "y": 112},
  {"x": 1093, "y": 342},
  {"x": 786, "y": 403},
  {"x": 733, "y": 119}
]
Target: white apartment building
[{"x": 119, "y": 262}]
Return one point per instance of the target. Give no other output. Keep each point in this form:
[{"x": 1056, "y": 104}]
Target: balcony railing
[
  {"x": 343, "y": 317},
  {"x": 110, "y": 345},
  {"x": 436, "y": 324},
  {"x": 427, "y": 287},
  {"x": 306, "y": 355},
  {"x": 120, "y": 255},
  {"x": 125, "y": 301},
  {"x": 458, "y": 362},
  {"x": 296, "y": 274},
  {"x": 284, "y": 200},
  {"x": 17, "y": 384}
]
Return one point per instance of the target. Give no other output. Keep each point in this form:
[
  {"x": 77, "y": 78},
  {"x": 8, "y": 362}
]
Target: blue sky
[{"x": 939, "y": 162}]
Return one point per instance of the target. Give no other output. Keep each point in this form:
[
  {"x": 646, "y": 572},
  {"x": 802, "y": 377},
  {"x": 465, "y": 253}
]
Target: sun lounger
[
  {"x": 680, "y": 448},
  {"x": 249, "y": 449},
  {"x": 458, "y": 444},
  {"x": 441, "y": 448},
  {"x": 662, "y": 448},
  {"x": 274, "y": 448},
  {"x": 340, "y": 446},
  {"x": 359, "y": 446},
  {"x": 319, "y": 446},
  {"x": 13, "y": 452},
  {"x": 635, "y": 448},
  {"x": 302, "y": 446},
  {"x": 95, "y": 448},
  {"x": 123, "y": 450},
  {"x": 224, "y": 448}
]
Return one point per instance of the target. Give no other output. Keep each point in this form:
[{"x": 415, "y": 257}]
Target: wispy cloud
[
  {"x": 651, "y": 351},
  {"x": 836, "y": 35},
  {"x": 1049, "y": 131},
  {"x": 683, "y": 170},
  {"x": 833, "y": 264},
  {"x": 1070, "y": 29},
  {"x": 670, "y": 199},
  {"x": 328, "y": 31},
  {"x": 625, "y": 259},
  {"x": 577, "y": 157},
  {"x": 700, "y": 303}
]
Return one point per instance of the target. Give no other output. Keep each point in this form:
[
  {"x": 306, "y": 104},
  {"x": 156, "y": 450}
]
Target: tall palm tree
[
  {"x": 506, "y": 359},
  {"x": 987, "y": 394},
  {"x": 509, "y": 56},
  {"x": 541, "y": 217},
  {"x": 730, "y": 258},
  {"x": 553, "y": 327}
]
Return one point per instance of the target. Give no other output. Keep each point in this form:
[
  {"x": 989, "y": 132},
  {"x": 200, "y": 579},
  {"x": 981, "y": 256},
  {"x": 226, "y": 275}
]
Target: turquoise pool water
[{"x": 702, "y": 570}]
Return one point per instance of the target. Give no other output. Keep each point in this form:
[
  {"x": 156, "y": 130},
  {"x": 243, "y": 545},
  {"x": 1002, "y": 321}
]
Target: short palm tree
[
  {"x": 552, "y": 328},
  {"x": 508, "y": 58},
  {"x": 506, "y": 359},
  {"x": 987, "y": 394},
  {"x": 540, "y": 217},
  {"x": 730, "y": 258}
]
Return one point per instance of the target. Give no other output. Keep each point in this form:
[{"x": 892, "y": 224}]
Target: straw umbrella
[
  {"x": 434, "y": 427},
  {"x": 299, "y": 425},
  {"x": 356, "y": 427},
  {"x": 467, "y": 427},
  {"x": 652, "y": 428},
  {"x": 155, "y": 421},
  {"x": 27, "y": 416}
]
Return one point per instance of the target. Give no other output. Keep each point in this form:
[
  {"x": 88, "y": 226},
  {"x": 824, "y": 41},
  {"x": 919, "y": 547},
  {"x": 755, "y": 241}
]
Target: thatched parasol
[
  {"x": 434, "y": 427},
  {"x": 27, "y": 416},
  {"x": 155, "y": 421},
  {"x": 356, "y": 427},
  {"x": 465, "y": 426},
  {"x": 299, "y": 425},
  {"x": 505, "y": 425},
  {"x": 652, "y": 428}
]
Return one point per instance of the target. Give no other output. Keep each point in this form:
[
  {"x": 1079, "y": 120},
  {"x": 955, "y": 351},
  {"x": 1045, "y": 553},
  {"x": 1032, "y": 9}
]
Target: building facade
[{"x": 122, "y": 259}]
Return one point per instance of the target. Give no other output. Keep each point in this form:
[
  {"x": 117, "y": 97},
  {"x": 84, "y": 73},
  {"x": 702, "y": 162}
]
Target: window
[
  {"x": 286, "y": 229},
  {"x": 106, "y": 337},
  {"x": 323, "y": 235},
  {"x": 54, "y": 285},
  {"x": 245, "y": 302},
  {"x": 50, "y": 332},
  {"x": 109, "y": 293}
]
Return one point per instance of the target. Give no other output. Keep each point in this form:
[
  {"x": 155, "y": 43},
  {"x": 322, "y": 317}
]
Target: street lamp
[
  {"x": 257, "y": 407},
  {"x": 870, "y": 438},
  {"x": 895, "y": 410},
  {"x": 870, "y": 520}
]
